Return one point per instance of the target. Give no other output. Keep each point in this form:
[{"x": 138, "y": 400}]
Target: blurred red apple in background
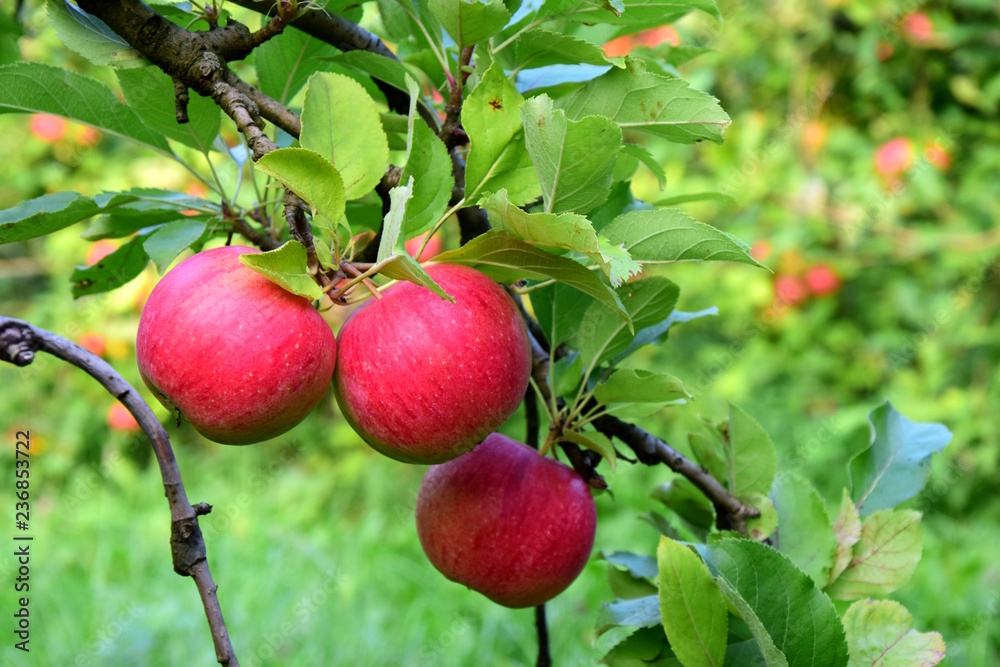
[
  {"x": 241, "y": 358},
  {"x": 120, "y": 419},
  {"x": 937, "y": 155},
  {"x": 918, "y": 27},
  {"x": 48, "y": 128},
  {"x": 507, "y": 522},
  {"x": 93, "y": 342},
  {"x": 894, "y": 157},
  {"x": 422, "y": 379},
  {"x": 822, "y": 279},
  {"x": 790, "y": 290},
  {"x": 98, "y": 250}
]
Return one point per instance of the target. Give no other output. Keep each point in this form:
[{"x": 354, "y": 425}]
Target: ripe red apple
[
  {"x": 507, "y": 522},
  {"x": 241, "y": 358},
  {"x": 431, "y": 250},
  {"x": 422, "y": 379}
]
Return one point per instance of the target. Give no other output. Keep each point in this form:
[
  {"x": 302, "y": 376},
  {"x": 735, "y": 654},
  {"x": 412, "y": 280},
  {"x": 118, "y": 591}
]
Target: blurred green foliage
[{"x": 315, "y": 531}]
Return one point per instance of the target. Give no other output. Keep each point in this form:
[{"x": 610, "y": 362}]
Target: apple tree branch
[{"x": 19, "y": 342}]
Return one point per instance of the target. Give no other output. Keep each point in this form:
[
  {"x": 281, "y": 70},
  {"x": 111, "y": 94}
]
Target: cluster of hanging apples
[{"x": 421, "y": 379}]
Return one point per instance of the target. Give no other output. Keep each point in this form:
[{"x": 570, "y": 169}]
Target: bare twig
[{"x": 19, "y": 341}]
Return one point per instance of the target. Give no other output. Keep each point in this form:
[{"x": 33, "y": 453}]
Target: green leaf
[
  {"x": 595, "y": 442},
  {"x": 392, "y": 227},
  {"x": 645, "y": 647},
  {"x": 111, "y": 272},
  {"x": 602, "y": 336},
  {"x": 750, "y": 456},
  {"x": 497, "y": 156},
  {"x": 627, "y": 12},
  {"x": 559, "y": 309},
  {"x": 430, "y": 166},
  {"x": 33, "y": 87},
  {"x": 639, "y": 100},
  {"x": 895, "y": 466},
  {"x": 709, "y": 453},
  {"x": 508, "y": 259},
  {"x": 574, "y": 160},
  {"x": 44, "y": 215},
  {"x": 285, "y": 266},
  {"x": 695, "y": 196},
  {"x": 392, "y": 256},
  {"x": 90, "y": 37},
  {"x": 793, "y": 622},
  {"x": 285, "y": 62},
  {"x": 341, "y": 122},
  {"x": 805, "y": 533},
  {"x": 639, "y": 566},
  {"x": 171, "y": 239},
  {"x": 657, "y": 333},
  {"x": 470, "y": 21},
  {"x": 311, "y": 176},
  {"x": 636, "y": 385},
  {"x": 131, "y": 210},
  {"x": 691, "y": 506},
  {"x": 847, "y": 530},
  {"x": 638, "y": 613},
  {"x": 149, "y": 91},
  {"x": 691, "y": 606},
  {"x": 880, "y": 633},
  {"x": 565, "y": 231},
  {"x": 666, "y": 107},
  {"x": 662, "y": 236},
  {"x": 763, "y": 526},
  {"x": 381, "y": 67},
  {"x": 884, "y": 557},
  {"x": 642, "y": 154},
  {"x": 541, "y": 48}
]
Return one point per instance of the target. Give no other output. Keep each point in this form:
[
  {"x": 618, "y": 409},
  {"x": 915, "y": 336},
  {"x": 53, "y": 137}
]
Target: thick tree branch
[
  {"x": 19, "y": 342},
  {"x": 198, "y": 60}
]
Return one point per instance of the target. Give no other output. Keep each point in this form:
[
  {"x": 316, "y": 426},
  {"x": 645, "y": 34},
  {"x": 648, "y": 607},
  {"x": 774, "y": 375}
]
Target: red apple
[
  {"x": 241, "y": 358},
  {"x": 422, "y": 379},
  {"x": 120, "y": 419},
  {"x": 431, "y": 250},
  {"x": 507, "y": 522},
  {"x": 822, "y": 279}
]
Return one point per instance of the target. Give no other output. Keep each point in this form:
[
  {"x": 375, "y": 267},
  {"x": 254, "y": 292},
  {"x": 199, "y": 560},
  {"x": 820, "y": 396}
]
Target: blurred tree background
[{"x": 863, "y": 163}]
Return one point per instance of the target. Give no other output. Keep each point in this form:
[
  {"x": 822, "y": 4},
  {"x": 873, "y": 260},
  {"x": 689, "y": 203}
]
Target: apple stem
[
  {"x": 19, "y": 341},
  {"x": 544, "y": 657}
]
